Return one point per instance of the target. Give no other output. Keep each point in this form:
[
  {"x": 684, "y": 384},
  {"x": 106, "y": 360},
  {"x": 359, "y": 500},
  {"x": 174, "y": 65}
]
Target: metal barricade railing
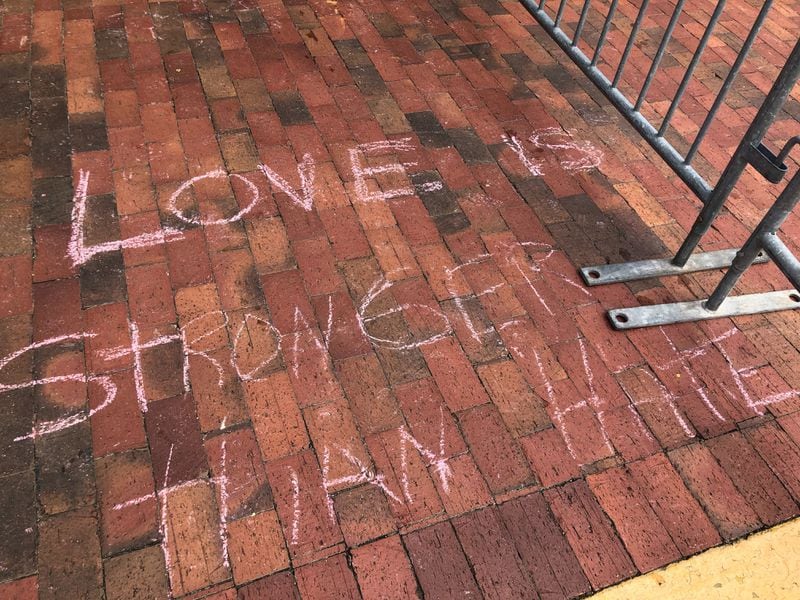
[{"x": 750, "y": 151}]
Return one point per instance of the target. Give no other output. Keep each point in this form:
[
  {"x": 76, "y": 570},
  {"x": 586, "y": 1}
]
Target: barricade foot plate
[
  {"x": 645, "y": 269},
  {"x": 684, "y": 312}
]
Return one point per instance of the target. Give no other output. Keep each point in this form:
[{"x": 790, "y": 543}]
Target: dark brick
[
  {"x": 88, "y": 132},
  {"x": 173, "y": 430},
  {"x": 486, "y": 54},
  {"x": 385, "y": 24},
  {"x": 111, "y": 43},
  {"x": 522, "y": 66},
  {"x": 291, "y": 108},
  {"x": 66, "y": 474},
  {"x": 369, "y": 81},
  {"x": 69, "y": 557},
  {"x": 103, "y": 280},
  {"x": 353, "y": 53},
  {"x": 428, "y": 129},
  {"x": 48, "y": 81},
  {"x": 52, "y": 201},
  {"x": 470, "y": 146},
  {"x": 18, "y": 526}
]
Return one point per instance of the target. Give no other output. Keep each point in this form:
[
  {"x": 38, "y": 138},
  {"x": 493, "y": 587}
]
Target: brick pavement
[{"x": 290, "y": 306}]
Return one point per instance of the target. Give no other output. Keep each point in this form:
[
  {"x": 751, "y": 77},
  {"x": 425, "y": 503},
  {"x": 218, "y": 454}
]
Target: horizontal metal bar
[
  {"x": 686, "y": 312},
  {"x": 671, "y": 156},
  {"x": 783, "y": 257},
  {"x": 661, "y": 267}
]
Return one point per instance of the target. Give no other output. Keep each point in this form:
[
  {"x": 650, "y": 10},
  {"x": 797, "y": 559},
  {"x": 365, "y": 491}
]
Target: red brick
[
  {"x": 256, "y": 546},
  {"x": 174, "y": 435},
  {"x": 589, "y": 532},
  {"x": 752, "y": 476},
  {"x": 132, "y": 226},
  {"x": 216, "y": 388},
  {"x": 315, "y": 259},
  {"x": 383, "y": 569},
  {"x": 779, "y": 452},
  {"x": 430, "y": 421},
  {"x": 122, "y": 108},
  {"x": 277, "y": 421},
  {"x": 343, "y": 335},
  {"x": 644, "y": 536},
  {"x": 58, "y": 309},
  {"x": 280, "y": 585},
  {"x": 119, "y": 426},
  {"x": 151, "y": 85},
  {"x": 522, "y": 411},
  {"x": 52, "y": 260},
  {"x": 674, "y": 505},
  {"x": 457, "y": 381},
  {"x": 363, "y": 514},
  {"x": 15, "y": 274},
  {"x": 419, "y": 500},
  {"x": 109, "y": 324},
  {"x": 21, "y": 589},
  {"x": 465, "y": 488},
  {"x": 269, "y": 245},
  {"x": 371, "y": 400},
  {"x": 236, "y": 279},
  {"x": 312, "y": 532},
  {"x": 499, "y": 457},
  {"x": 439, "y": 562},
  {"x": 128, "y": 506},
  {"x": 494, "y": 559},
  {"x": 193, "y": 539},
  {"x": 236, "y": 464},
  {"x": 150, "y": 295},
  {"x": 715, "y": 491},
  {"x": 546, "y": 555},
  {"x": 286, "y": 298},
  {"x": 189, "y": 263},
  {"x": 329, "y": 578},
  {"x": 337, "y": 442}
]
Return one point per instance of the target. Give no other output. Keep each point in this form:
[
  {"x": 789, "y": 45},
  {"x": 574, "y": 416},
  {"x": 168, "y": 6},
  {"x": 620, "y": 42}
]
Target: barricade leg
[{"x": 764, "y": 240}]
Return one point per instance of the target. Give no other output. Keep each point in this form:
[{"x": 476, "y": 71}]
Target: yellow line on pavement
[{"x": 765, "y": 566}]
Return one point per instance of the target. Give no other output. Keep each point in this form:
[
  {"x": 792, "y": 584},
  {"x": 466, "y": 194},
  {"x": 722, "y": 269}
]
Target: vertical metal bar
[
  {"x": 581, "y": 22},
  {"x": 604, "y": 34},
  {"x": 692, "y": 66},
  {"x": 774, "y": 218},
  {"x": 766, "y": 115},
  {"x": 662, "y": 47},
  {"x": 560, "y": 12},
  {"x": 629, "y": 45},
  {"x": 726, "y": 85},
  {"x": 672, "y": 157}
]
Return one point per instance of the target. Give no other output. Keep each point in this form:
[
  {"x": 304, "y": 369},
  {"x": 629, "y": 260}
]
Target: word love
[{"x": 80, "y": 253}]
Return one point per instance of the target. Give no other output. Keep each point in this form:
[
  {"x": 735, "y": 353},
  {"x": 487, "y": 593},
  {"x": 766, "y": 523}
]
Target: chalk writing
[
  {"x": 580, "y": 155},
  {"x": 80, "y": 253}
]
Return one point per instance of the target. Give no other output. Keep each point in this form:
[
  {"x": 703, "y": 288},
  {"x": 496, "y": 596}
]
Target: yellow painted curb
[{"x": 765, "y": 566}]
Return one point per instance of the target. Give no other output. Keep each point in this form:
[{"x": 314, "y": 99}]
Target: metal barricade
[{"x": 750, "y": 151}]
